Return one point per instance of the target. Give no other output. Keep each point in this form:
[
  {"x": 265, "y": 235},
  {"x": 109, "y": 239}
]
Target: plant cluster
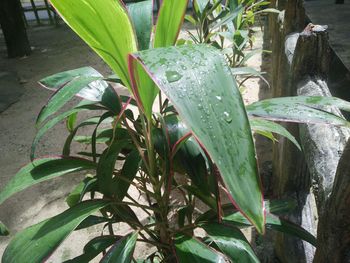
[
  {"x": 200, "y": 129},
  {"x": 227, "y": 26}
]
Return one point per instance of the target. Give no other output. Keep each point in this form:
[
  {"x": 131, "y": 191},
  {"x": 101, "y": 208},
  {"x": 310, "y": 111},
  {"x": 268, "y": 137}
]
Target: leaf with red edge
[
  {"x": 198, "y": 81},
  {"x": 105, "y": 26}
]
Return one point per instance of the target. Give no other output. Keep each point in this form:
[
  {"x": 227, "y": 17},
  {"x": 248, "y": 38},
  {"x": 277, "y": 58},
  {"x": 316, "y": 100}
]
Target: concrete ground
[{"x": 55, "y": 49}]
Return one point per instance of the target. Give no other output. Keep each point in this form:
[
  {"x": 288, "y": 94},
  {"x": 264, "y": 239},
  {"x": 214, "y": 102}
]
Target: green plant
[
  {"x": 227, "y": 25},
  {"x": 201, "y": 130}
]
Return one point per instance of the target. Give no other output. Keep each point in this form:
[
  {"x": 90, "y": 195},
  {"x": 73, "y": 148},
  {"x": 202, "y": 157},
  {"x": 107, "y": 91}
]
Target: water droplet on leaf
[
  {"x": 172, "y": 76},
  {"x": 227, "y": 117}
]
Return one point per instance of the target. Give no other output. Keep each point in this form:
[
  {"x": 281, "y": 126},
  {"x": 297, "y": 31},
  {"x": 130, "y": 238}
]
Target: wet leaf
[
  {"x": 141, "y": 14},
  {"x": 198, "y": 82},
  {"x": 300, "y": 109}
]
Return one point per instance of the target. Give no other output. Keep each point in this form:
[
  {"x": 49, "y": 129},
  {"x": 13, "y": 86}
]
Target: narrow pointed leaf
[
  {"x": 190, "y": 250},
  {"x": 93, "y": 248},
  {"x": 3, "y": 230},
  {"x": 105, "y": 26},
  {"x": 230, "y": 17},
  {"x": 141, "y": 14},
  {"x": 143, "y": 87},
  {"x": 38, "y": 242},
  {"x": 231, "y": 242},
  {"x": 170, "y": 19},
  {"x": 106, "y": 166},
  {"x": 201, "y": 4},
  {"x": 129, "y": 170},
  {"x": 41, "y": 170},
  {"x": 122, "y": 251},
  {"x": 275, "y": 223},
  {"x": 57, "y": 119},
  {"x": 300, "y": 109},
  {"x": 198, "y": 82},
  {"x": 62, "y": 96},
  {"x": 93, "y": 91},
  {"x": 269, "y": 126}
]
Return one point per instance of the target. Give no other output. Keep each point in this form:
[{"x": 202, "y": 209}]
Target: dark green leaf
[
  {"x": 78, "y": 192},
  {"x": 93, "y": 248},
  {"x": 269, "y": 126},
  {"x": 91, "y": 221},
  {"x": 275, "y": 223},
  {"x": 229, "y": 18},
  {"x": 231, "y": 242},
  {"x": 62, "y": 96},
  {"x": 122, "y": 251},
  {"x": 3, "y": 230},
  {"x": 128, "y": 172},
  {"x": 141, "y": 14},
  {"x": 299, "y": 109},
  {"x": 41, "y": 170},
  {"x": 37, "y": 243},
  {"x": 191, "y": 250},
  {"x": 71, "y": 136},
  {"x": 106, "y": 167},
  {"x": 93, "y": 91},
  {"x": 198, "y": 82},
  {"x": 84, "y": 105},
  {"x": 105, "y": 26}
]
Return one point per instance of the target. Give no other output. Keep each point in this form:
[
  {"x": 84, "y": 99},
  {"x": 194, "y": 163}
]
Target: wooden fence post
[{"x": 333, "y": 244}]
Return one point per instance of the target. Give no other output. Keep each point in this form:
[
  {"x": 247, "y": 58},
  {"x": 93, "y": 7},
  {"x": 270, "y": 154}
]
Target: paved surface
[
  {"x": 336, "y": 16},
  {"x": 10, "y": 89}
]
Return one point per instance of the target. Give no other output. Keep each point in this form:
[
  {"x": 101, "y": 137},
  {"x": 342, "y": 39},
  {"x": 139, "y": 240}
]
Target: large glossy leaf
[
  {"x": 299, "y": 109},
  {"x": 170, "y": 18},
  {"x": 269, "y": 126},
  {"x": 141, "y": 14},
  {"x": 191, "y": 250},
  {"x": 231, "y": 242},
  {"x": 93, "y": 91},
  {"x": 105, "y": 26},
  {"x": 41, "y": 170},
  {"x": 37, "y": 243},
  {"x": 198, "y": 82},
  {"x": 122, "y": 251}
]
